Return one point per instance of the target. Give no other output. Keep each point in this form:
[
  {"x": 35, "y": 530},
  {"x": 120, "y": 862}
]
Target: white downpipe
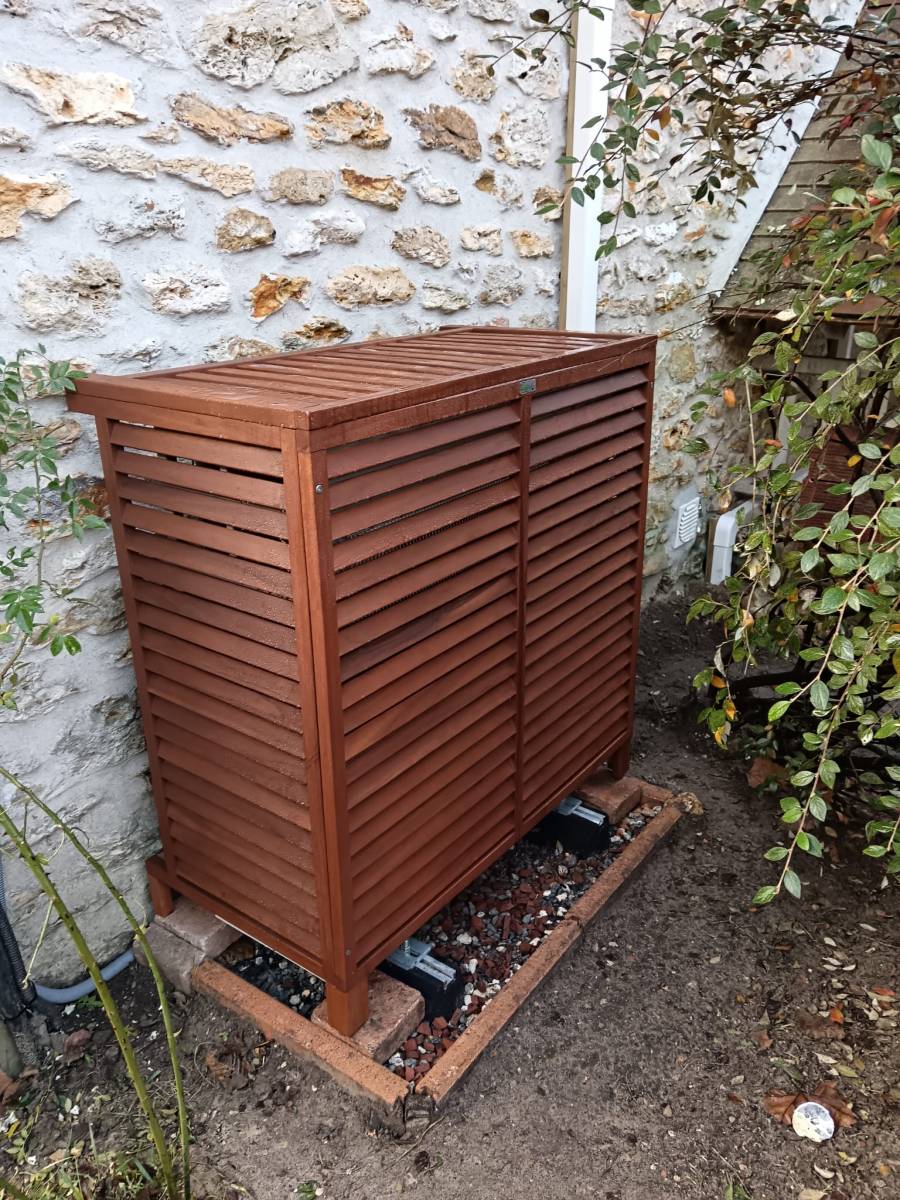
[{"x": 581, "y": 233}]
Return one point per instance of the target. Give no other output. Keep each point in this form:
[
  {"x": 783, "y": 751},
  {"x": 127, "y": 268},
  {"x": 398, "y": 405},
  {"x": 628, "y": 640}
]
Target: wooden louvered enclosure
[{"x": 383, "y": 603}]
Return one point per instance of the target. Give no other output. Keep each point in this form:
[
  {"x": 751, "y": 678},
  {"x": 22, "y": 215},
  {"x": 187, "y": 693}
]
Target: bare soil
[{"x": 638, "y": 1071}]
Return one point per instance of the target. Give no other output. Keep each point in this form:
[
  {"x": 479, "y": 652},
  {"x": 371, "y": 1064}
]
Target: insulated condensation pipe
[{"x": 75, "y": 991}]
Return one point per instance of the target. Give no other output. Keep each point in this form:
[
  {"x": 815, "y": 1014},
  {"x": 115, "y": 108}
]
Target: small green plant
[{"x": 37, "y": 505}]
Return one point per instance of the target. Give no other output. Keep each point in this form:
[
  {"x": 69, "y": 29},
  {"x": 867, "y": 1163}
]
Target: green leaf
[
  {"x": 765, "y": 895},
  {"x": 818, "y": 807},
  {"x": 820, "y": 697},
  {"x": 776, "y": 854},
  {"x": 778, "y": 709},
  {"x": 881, "y": 565},
  {"x": 810, "y": 559},
  {"x": 830, "y": 601},
  {"x": 876, "y": 153},
  {"x": 865, "y": 339},
  {"x": 792, "y": 883}
]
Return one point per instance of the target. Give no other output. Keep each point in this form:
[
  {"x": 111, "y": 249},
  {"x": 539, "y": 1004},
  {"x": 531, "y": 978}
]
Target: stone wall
[{"x": 187, "y": 181}]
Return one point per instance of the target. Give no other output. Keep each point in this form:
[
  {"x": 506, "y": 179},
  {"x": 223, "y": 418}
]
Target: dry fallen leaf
[
  {"x": 762, "y": 1039},
  {"x": 811, "y": 1194},
  {"x": 815, "y": 1026},
  {"x": 764, "y": 769},
  {"x": 76, "y": 1044},
  {"x": 842, "y": 1113},
  {"x": 781, "y": 1105}
]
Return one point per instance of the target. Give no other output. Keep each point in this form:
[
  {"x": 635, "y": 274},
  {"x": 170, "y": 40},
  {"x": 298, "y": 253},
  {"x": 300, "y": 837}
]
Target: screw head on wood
[{"x": 320, "y": 487}]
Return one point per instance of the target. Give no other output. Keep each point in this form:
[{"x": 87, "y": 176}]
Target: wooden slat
[
  {"x": 554, "y": 402},
  {"x": 203, "y": 587},
  {"x": 348, "y": 522},
  {"x": 413, "y": 562},
  {"x": 239, "y": 839},
  {"x": 251, "y": 517},
  {"x": 412, "y": 669},
  {"x": 262, "y": 705},
  {"x": 405, "y": 759},
  {"x": 209, "y": 562},
  {"x": 376, "y": 885},
  {"x": 229, "y": 484},
  {"x": 416, "y": 808},
  {"x": 360, "y": 456},
  {"x": 368, "y": 656},
  {"x": 274, "y": 661},
  {"x": 487, "y": 658},
  {"x": 201, "y": 533},
  {"x": 218, "y": 616},
  {"x": 250, "y": 771},
  {"x": 218, "y": 772},
  {"x": 246, "y": 895},
  {"x": 425, "y": 723},
  {"x": 425, "y": 468},
  {"x": 391, "y": 622},
  {"x": 281, "y": 771},
  {"x": 285, "y": 838},
  {"x": 239, "y": 456},
  {"x": 390, "y": 904},
  {"x": 263, "y": 729},
  {"x": 442, "y": 516},
  {"x": 223, "y": 667}
]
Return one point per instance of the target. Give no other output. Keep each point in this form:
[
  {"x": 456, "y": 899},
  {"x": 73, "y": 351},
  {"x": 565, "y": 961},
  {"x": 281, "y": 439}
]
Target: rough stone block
[
  {"x": 394, "y": 1009},
  {"x": 207, "y": 933},
  {"x": 615, "y": 797},
  {"x": 175, "y": 957}
]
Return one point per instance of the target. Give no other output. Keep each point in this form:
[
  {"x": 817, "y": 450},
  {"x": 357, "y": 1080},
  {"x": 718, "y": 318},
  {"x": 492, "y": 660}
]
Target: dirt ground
[{"x": 638, "y": 1070}]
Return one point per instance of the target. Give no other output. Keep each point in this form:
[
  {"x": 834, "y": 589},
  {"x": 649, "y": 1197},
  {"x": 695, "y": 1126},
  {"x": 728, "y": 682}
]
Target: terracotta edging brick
[
  {"x": 352, "y": 1069},
  {"x": 452, "y": 1067},
  {"x": 343, "y": 1061}
]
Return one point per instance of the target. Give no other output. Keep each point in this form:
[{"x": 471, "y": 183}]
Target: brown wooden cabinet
[{"x": 383, "y": 602}]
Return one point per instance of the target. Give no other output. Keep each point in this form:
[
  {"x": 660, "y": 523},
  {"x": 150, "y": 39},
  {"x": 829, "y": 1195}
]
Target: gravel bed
[
  {"x": 492, "y": 928},
  {"x": 274, "y": 975}
]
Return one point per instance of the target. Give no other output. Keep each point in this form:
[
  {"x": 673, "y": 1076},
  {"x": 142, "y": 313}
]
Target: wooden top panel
[{"x": 317, "y": 388}]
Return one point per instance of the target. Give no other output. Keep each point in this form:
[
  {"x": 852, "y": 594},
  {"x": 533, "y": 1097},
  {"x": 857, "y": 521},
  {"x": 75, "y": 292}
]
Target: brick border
[{"x": 353, "y": 1070}]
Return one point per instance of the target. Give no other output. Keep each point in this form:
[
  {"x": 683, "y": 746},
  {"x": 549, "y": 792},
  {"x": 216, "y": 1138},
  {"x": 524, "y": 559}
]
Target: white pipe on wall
[{"x": 581, "y": 233}]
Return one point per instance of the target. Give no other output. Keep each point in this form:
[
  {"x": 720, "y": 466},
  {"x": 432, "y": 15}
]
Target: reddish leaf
[
  {"x": 762, "y": 1039},
  {"x": 842, "y": 1113},
  {"x": 817, "y": 1027},
  {"x": 764, "y": 769},
  {"x": 76, "y": 1044},
  {"x": 781, "y": 1105}
]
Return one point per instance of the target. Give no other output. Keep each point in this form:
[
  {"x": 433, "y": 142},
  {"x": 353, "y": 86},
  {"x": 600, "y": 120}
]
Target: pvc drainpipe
[
  {"x": 581, "y": 233},
  {"x": 84, "y": 987}
]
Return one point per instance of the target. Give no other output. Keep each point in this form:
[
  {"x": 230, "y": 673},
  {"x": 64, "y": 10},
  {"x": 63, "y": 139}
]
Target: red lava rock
[
  {"x": 476, "y": 925},
  {"x": 455, "y": 1019},
  {"x": 409, "y": 1074},
  {"x": 439, "y": 1023},
  {"x": 410, "y": 1048},
  {"x": 424, "y": 1029}
]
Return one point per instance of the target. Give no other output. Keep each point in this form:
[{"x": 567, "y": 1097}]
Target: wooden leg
[
  {"x": 620, "y": 761},
  {"x": 162, "y": 898},
  {"x": 348, "y": 1010}
]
